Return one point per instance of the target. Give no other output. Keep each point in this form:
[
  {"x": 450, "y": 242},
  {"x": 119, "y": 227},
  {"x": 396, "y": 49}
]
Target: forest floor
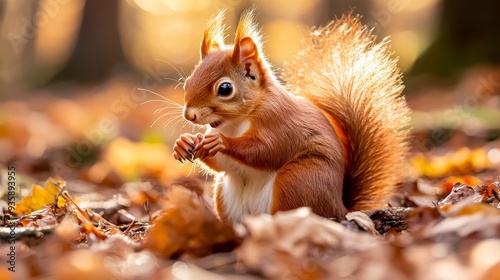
[{"x": 89, "y": 190}]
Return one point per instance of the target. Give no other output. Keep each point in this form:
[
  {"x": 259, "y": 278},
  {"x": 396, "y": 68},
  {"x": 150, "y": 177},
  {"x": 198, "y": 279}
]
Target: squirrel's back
[{"x": 353, "y": 79}]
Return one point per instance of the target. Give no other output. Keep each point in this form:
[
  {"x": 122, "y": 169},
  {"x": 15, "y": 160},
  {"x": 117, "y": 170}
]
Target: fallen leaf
[
  {"x": 461, "y": 226},
  {"x": 42, "y": 196},
  {"x": 461, "y": 192},
  {"x": 293, "y": 243},
  {"x": 82, "y": 264},
  {"x": 468, "y": 180},
  {"x": 485, "y": 255},
  {"x": 462, "y": 161},
  {"x": 362, "y": 220},
  {"x": 187, "y": 225}
]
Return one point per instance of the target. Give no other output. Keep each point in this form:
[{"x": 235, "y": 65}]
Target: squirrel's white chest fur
[{"x": 245, "y": 190}]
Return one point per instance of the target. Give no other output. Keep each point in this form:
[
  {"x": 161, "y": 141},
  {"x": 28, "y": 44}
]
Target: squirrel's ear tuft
[
  {"x": 247, "y": 40},
  {"x": 213, "y": 37}
]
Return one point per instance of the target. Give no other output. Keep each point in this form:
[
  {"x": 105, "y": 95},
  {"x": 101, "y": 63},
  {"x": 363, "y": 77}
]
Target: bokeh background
[{"x": 81, "y": 82}]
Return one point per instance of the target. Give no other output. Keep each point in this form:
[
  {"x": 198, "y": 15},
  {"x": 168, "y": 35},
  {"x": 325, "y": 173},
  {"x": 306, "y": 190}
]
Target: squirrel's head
[{"x": 227, "y": 83}]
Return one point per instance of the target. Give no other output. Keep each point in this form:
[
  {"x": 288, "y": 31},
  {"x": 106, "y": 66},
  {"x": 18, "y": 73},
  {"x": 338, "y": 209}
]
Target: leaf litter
[{"x": 143, "y": 216}]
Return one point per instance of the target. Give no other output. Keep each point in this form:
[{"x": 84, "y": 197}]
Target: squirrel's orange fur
[{"x": 334, "y": 139}]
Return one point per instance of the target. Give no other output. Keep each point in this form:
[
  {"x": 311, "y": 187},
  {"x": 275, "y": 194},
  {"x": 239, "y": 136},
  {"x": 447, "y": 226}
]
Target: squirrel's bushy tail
[{"x": 344, "y": 71}]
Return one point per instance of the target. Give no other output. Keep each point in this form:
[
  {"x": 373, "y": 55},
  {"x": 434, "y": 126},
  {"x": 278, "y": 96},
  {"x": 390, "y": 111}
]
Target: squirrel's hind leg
[{"x": 309, "y": 182}]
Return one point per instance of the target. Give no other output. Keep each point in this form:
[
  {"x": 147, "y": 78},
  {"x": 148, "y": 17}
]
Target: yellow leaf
[
  {"x": 132, "y": 160},
  {"x": 471, "y": 209},
  {"x": 460, "y": 162},
  {"x": 41, "y": 196}
]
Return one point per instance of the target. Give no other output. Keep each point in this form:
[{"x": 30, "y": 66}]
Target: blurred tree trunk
[
  {"x": 98, "y": 49},
  {"x": 468, "y": 33},
  {"x": 17, "y": 40}
]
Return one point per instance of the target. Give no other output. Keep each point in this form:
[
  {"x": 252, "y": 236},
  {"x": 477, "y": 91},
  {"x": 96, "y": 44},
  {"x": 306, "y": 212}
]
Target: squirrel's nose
[{"x": 189, "y": 115}]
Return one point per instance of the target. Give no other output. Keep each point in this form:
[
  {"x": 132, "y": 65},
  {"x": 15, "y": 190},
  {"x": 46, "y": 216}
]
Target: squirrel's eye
[{"x": 225, "y": 89}]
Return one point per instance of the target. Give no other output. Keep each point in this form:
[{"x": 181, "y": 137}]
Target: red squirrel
[{"x": 334, "y": 138}]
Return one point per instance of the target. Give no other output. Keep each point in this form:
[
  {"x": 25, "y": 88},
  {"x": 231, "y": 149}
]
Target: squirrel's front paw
[
  {"x": 185, "y": 145},
  {"x": 209, "y": 146}
]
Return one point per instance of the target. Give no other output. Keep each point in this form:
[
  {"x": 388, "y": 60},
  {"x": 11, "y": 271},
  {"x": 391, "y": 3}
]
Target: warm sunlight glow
[
  {"x": 287, "y": 8},
  {"x": 404, "y": 5},
  {"x": 494, "y": 155},
  {"x": 174, "y": 38},
  {"x": 187, "y": 5},
  {"x": 151, "y": 6},
  {"x": 414, "y": 6},
  {"x": 55, "y": 38},
  {"x": 407, "y": 46},
  {"x": 283, "y": 39}
]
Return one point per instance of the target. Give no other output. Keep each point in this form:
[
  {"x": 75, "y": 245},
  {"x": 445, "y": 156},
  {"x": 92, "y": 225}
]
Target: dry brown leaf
[
  {"x": 363, "y": 221},
  {"x": 187, "y": 225},
  {"x": 82, "y": 264},
  {"x": 461, "y": 226},
  {"x": 490, "y": 191},
  {"x": 68, "y": 229},
  {"x": 469, "y": 180},
  {"x": 183, "y": 270},
  {"x": 484, "y": 255},
  {"x": 460, "y": 192},
  {"x": 48, "y": 216},
  {"x": 427, "y": 188},
  {"x": 292, "y": 243}
]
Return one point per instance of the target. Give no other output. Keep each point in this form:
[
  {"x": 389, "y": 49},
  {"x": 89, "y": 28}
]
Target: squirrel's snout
[{"x": 189, "y": 114}]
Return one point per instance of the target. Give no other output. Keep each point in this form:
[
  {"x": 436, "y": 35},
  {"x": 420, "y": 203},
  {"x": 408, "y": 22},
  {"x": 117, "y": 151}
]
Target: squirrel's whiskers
[{"x": 182, "y": 76}]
